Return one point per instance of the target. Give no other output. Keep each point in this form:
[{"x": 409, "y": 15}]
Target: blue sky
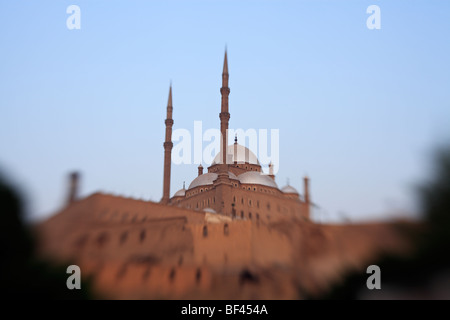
[{"x": 358, "y": 110}]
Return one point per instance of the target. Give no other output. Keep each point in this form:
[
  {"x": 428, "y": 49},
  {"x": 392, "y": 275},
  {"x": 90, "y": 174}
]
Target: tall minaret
[
  {"x": 168, "y": 150},
  {"x": 224, "y": 114},
  {"x": 223, "y": 183}
]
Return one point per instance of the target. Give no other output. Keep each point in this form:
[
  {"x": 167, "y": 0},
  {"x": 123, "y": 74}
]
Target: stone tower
[
  {"x": 307, "y": 197},
  {"x": 223, "y": 186},
  {"x": 224, "y": 114},
  {"x": 168, "y": 145},
  {"x": 74, "y": 179}
]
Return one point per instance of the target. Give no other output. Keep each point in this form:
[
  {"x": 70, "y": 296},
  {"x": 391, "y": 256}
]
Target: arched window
[
  {"x": 142, "y": 236},
  {"x": 172, "y": 275},
  {"x": 225, "y": 229},
  {"x": 249, "y": 215},
  {"x": 242, "y": 214},
  {"x": 205, "y": 231},
  {"x": 123, "y": 237},
  {"x": 102, "y": 239},
  {"x": 198, "y": 275}
]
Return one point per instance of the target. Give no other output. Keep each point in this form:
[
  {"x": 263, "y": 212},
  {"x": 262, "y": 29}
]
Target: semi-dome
[
  {"x": 208, "y": 179},
  {"x": 231, "y": 175},
  {"x": 289, "y": 189},
  {"x": 238, "y": 153},
  {"x": 203, "y": 180},
  {"x": 254, "y": 177},
  {"x": 180, "y": 193}
]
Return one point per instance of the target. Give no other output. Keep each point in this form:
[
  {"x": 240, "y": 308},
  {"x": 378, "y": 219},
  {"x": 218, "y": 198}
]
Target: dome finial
[
  {"x": 235, "y": 138},
  {"x": 287, "y": 181},
  {"x": 184, "y": 184}
]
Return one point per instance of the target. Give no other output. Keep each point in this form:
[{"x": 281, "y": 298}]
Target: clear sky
[{"x": 358, "y": 110}]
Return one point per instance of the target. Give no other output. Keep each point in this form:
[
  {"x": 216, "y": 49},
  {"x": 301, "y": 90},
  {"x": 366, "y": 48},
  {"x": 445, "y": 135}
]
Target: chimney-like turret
[
  {"x": 271, "y": 171},
  {"x": 306, "y": 193},
  {"x": 74, "y": 178}
]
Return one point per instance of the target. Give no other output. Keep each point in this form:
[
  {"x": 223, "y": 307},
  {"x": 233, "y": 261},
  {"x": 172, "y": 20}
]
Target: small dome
[
  {"x": 289, "y": 189},
  {"x": 240, "y": 155},
  {"x": 180, "y": 193},
  {"x": 254, "y": 177}
]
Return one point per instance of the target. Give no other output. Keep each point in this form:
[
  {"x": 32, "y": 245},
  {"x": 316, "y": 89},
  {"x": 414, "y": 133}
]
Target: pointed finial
[
  {"x": 235, "y": 138},
  {"x": 287, "y": 180},
  {"x": 184, "y": 184},
  {"x": 169, "y": 103},
  {"x": 225, "y": 63}
]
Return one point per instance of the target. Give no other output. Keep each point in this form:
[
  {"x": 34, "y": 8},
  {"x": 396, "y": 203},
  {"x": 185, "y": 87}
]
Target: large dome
[
  {"x": 241, "y": 155},
  {"x": 254, "y": 177}
]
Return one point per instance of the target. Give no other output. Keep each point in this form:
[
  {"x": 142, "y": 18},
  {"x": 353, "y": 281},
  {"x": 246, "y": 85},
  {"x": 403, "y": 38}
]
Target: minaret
[
  {"x": 73, "y": 187},
  {"x": 224, "y": 114},
  {"x": 306, "y": 193},
  {"x": 223, "y": 183},
  {"x": 168, "y": 150}
]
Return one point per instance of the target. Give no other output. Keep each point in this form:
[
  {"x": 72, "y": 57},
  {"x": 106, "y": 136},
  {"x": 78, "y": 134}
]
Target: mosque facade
[{"x": 234, "y": 184}]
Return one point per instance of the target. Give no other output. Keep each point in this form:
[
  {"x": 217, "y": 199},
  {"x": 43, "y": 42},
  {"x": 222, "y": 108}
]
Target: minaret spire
[
  {"x": 225, "y": 70},
  {"x": 223, "y": 182},
  {"x": 168, "y": 149},
  {"x": 224, "y": 114}
]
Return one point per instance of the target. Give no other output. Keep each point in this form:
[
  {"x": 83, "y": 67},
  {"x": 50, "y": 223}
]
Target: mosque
[{"x": 234, "y": 185}]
